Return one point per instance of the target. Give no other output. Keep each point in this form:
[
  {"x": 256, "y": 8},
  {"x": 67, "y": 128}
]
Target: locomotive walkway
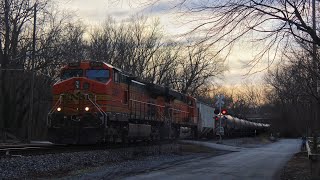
[{"x": 263, "y": 162}]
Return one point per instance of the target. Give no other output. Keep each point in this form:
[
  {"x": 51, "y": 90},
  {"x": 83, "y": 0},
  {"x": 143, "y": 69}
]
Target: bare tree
[
  {"x": 198, "y": 67},
  {"x": 161, "y": 69},
  {"x": 130, "y": 47},
  {"x": 101, "y": 46},
  {"x": 294, "y": 95},
  {"x": 275, "y": 24},
  {"x": 17, "y": 18},
  {"x": 137, "y": 48}
]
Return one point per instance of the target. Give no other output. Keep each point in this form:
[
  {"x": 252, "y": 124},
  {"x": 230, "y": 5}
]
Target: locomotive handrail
[
  {"x": 146, "y": 103},
  {"x": 179, "y": 110},
  {"x": 98, "y": 107},
  {"x": 56, "y": 105},
  {"x": 53, "y": 108}
]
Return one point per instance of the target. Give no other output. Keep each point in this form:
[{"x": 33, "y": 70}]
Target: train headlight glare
[
  {"x": 87, "y": 108},
  {"x": 59, "y": 109}
]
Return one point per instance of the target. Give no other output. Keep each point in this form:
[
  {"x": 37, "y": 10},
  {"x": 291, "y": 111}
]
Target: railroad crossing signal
[
  {"x": 219, "y": 104},
  {"x": 223, "y": 111}
]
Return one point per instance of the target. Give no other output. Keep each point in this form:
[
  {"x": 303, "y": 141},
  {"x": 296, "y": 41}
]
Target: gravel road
[{"x": 264, "y": 162}]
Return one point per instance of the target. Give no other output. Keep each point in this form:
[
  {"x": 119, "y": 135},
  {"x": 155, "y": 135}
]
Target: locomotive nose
[{"x": 74, "y": 95}]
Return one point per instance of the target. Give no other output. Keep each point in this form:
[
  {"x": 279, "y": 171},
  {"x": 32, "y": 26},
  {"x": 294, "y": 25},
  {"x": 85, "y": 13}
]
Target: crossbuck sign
[{"x": 220, "y": 101}]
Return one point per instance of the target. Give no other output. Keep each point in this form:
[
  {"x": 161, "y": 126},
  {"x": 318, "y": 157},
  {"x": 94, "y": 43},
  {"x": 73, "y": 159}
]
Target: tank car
[
  {"x": 234, "y": 126},
  {"x": 94, "y": 102}
]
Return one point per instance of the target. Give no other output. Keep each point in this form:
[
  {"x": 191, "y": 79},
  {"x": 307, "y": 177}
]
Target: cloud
[
  {"x": 158, "y": 8},
  {"x": 175, "y": 25},
  {"x": 120, "y": 13}
]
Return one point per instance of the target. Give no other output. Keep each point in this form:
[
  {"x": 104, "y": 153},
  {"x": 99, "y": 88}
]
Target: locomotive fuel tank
[{"x": 139, "y": 130}]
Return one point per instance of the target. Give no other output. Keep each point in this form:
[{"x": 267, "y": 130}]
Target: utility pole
[
  {"x": 30, "y": 122},
  {"x": 314, "y": 27},
  {"x": 314, "y": 45},
  {"x": 4, "y": 62},
  {"x": 315, "y": 64}
]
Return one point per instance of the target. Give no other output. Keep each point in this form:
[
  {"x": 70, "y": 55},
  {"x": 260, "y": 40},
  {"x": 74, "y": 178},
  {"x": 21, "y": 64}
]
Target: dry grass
[
  {"x": 186, "y": 148},
  {"x": 191, "y": 148},
  {"x": 297, "y": 168}
]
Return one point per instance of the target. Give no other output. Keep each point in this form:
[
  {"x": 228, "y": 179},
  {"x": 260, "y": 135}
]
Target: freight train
[
  {"x": 232, "y": 126},
  {"x": 94, "y": 102}
]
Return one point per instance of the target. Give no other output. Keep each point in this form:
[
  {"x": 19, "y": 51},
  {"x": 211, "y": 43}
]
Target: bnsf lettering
[
  {"x": 79, "y": 96},
  {"x": 76, "y": 97}
]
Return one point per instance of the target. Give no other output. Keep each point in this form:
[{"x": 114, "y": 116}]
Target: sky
[{"x": 95, "y": 12}]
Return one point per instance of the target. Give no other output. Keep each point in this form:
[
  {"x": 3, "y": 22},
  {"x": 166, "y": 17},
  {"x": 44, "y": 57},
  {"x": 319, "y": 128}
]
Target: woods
[{"x": 136, "y": 47}]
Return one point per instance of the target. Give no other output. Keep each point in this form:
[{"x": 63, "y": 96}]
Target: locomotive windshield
[
  {"x": 69, "y": 73},
  {"x": 101, "y": 75}
]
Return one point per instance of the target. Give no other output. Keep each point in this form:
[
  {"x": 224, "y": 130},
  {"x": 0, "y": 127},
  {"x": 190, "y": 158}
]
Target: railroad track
[
  {"x": 29, "y": 149},
  {"x": 39, "y": 149}
]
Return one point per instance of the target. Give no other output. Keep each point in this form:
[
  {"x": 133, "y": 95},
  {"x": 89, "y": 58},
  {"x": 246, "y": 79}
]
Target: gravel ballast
[{"x": 78, "y": 164}]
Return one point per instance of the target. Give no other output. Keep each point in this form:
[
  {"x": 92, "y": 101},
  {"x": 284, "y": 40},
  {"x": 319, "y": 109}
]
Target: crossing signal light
[
  {"x": 224, "y": 111},
  {"x": 216, "y": 118},
  {"x": 216, "y": 111}
]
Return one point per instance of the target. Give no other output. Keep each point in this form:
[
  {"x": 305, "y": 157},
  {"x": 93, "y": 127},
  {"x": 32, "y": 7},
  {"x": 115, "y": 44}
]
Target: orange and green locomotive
[{"x": 94, "y": 102}]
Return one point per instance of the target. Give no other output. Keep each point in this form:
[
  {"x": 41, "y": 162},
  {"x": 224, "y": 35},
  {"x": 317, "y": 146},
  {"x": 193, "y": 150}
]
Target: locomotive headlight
[
  {"x": 86, "y": 108},
  {"x": 59, "y": 109}
]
